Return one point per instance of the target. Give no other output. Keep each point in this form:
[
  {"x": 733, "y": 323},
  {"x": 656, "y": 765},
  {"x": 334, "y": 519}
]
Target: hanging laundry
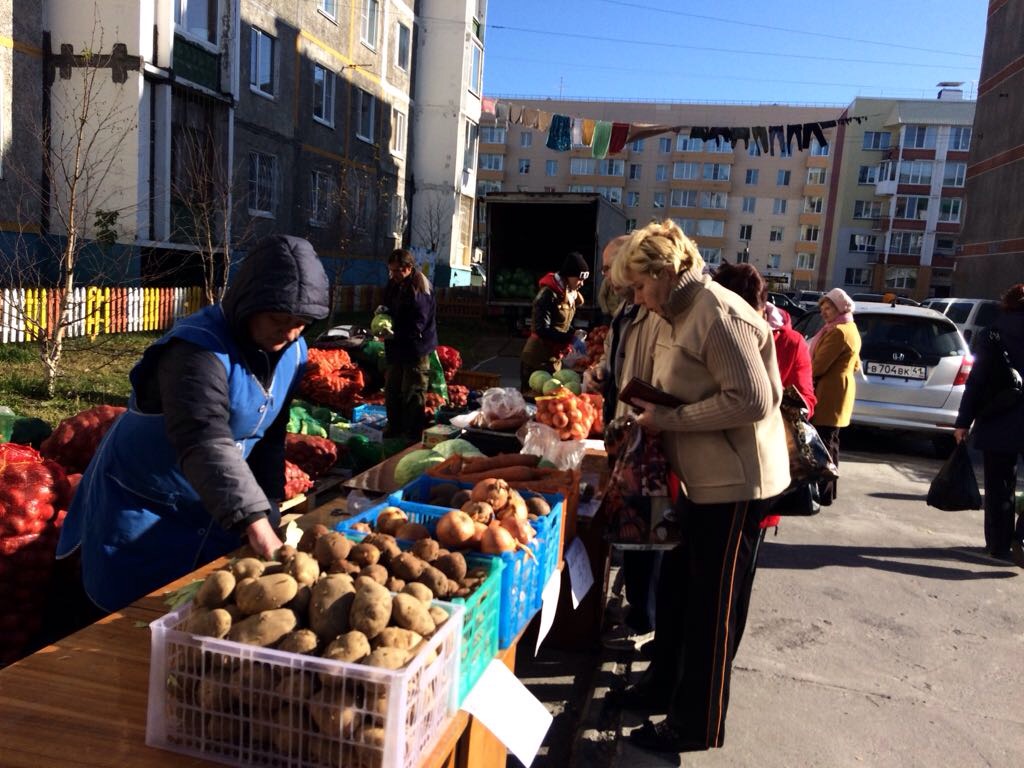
[
  {"x": 739, "y": 134},
  {"x": 588, "y": 131},
  {"x": 530, "y": 116},
  {"x": 699, "y": 132},
  {"x": 515, "y": 114},
  {"x": 501, "y": 112},
  {"x": 602, "y": 138},
  {"x": 560, "y": 133},
  {"x": 618, "y": 138},
  {"x": 760, "y": 134},
  {"x": 795, "y": 130},
  {"x": 775, "y": 132},
  {"x": 488, "y": 104},
  {"x": 577, "y": 132},
  {"x": 543, "y": 120},
  {"x": 826, "y": 124},
  {"x": 639, "y": 131},
  {"x": 813, "y": 131}
]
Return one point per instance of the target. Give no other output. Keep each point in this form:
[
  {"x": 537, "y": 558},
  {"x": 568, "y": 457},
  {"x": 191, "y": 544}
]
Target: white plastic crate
[{"x": 244, "y": 705}]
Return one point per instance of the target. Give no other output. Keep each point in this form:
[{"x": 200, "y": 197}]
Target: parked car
[
  {"x": 914, "y": 364},
  {"x": 782, "y": 301},
  {"x": 969, "y": 315},
  {"x": 880, "y": 298},
  {"x": 808, "y": 299}
]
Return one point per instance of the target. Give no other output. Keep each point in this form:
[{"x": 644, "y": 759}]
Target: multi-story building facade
[
  {"x": 992, "y": 249},
  {"x": 897, "y": 195},
  {"x": 737, "y": 203}
]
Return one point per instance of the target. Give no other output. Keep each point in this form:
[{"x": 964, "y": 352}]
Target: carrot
[
  {"x": 487, "y": 463},
  {"x": 512, "y": 473}
]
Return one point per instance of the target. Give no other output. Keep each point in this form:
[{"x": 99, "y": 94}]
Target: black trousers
[
  {"x": 1000, "y": 485},
  {"x": 640, "y": 569},
  {"x": 703, "y": 595},
  {"x": 829, "y": 489},
  {"x": 405, "y": 390}
]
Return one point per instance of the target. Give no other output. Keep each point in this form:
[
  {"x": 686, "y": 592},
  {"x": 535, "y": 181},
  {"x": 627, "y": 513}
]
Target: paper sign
[
  {"x": 581, "y": 577},
  {"x": 501, "y": 702},
  {"x": 549, "y": 606}
]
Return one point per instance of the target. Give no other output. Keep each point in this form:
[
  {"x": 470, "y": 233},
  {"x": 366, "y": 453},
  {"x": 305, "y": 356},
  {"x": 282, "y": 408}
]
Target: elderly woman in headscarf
[{"x": 835, "y": 357}]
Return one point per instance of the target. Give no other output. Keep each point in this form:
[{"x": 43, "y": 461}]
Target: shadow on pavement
[
  {"x": 899, "y": 496},
  {"x": 894, "y": 559}
]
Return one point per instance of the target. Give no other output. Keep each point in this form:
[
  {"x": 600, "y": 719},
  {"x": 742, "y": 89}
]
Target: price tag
[
  {"x": 501, "y": 702},
  {"x": 581, "y": 577},
  {"x": 549, "y": 606}
]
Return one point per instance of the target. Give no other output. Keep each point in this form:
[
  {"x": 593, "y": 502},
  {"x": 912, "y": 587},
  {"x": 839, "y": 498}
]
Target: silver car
[{"x": 914, "y": 364}]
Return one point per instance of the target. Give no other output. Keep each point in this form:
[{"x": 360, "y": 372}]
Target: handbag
[
  {"x": 809, "y": 459},
  {"x": 955, "y": 487},
  {"x": 801, "y": 500},
  {"x": 1004, "y": 387}
]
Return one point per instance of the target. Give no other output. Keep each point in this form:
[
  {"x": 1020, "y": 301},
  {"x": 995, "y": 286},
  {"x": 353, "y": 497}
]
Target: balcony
[{"x": 886, "y": 187}]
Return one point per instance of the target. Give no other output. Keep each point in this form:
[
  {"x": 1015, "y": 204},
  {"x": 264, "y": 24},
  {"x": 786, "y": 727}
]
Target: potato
[
  {"x": 387, "y": 658},
  {"x": 460, "y": 498},
  {"x": 439, "y": 584},
  {"x": 537, "y": 505},
  {"x": 441, "y": 494},
  {"x": 371, "y": 608},
  {"x": 299, "y": 641},
  {"x": 390, "y": 519},
  {"x": 352, "y": 646},
  {"x": 308, "y": 541},
  {"x": 265, "y": 628},
  {"x": 420, "y": 591},
  {"x": 376, "y": 572},
  {"x": 330, "y": 603},
  {"x": 247, "y": 568},
  {"x": 300, "y": 604},
  {"x": 290, "y": 724},
  {"x": 223, "y": 729},
  {"x": 255, "y": 681},
  {"x": 334, "y": 712},
  {"x": 408, "y": 612},
  {"x": 394, "y": 584},
  {"x": 304, "y": 568},
  {"x": 386, "y": 544},
  {"x": 208, "y": 622},
  {"x": 452, "y": 565},
  {"x": 407, "y": 566},
  {"x": 344, "y": 566},
  {"x": 285, "y": 553},
  {"x": 330, "y": 547},
  {"x": 295, "y": 685},
  {"x": 364, "y": 554},
  {"x": 397, "y": 637},
  {"x": 214, "y": 695},
  {"x": 426, "y": 549},
  {"x": 265, "y": 593},
  {"x": 438, "y": 614},
  {"x": 216, "y": 589},
  {"x": 412, "y": 532}
]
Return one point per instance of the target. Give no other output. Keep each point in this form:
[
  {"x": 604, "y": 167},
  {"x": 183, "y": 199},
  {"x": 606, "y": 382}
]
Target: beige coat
[
  {"x": 727, "y": 443},
  {"x": 635, "y": 352},
  {"x": 836, "y": 357}
]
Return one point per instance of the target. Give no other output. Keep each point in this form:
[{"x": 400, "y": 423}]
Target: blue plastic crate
[
  {"x": 369, "y": 412},
  {"x": 423, "y": 514}
]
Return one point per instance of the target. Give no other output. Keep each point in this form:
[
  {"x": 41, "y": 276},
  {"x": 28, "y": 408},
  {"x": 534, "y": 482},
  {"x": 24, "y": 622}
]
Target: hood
[
  {"x": 551, "y": 280},
  {"x": 281, "y": 274}
]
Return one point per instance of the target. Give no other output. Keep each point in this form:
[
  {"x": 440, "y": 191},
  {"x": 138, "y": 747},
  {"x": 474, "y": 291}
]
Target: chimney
[{"x": 950, "y": 91}]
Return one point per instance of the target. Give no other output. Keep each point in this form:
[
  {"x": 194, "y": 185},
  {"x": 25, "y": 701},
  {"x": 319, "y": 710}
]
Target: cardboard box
[{"x": 438, "y": 434}]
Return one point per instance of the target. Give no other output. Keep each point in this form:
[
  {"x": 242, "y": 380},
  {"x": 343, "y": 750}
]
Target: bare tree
[{"x": 433, "y": 226}]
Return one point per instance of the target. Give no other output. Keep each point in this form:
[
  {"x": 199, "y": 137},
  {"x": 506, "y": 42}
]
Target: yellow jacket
[{"x": 836, "y": 357}]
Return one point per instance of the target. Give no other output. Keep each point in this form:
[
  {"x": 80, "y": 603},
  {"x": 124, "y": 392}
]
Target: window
[
  {"x": 328, "y": 8},
  {"x": 776, "y": 234},
  {"x": 197, "y": 18},
  {"x": 664, "y": 145},
  {"x": 492, "y": 134},
  {"x": 637, "y": 145},
  {"x": 749, "y": 203},
  {"x": 368, "y": 23},
  {"x": 659, "y": 200},
  {"x": 954, "y": 174},
  {"x": 715, "y": 200},
  {"x": 261, "y": 62},
  {"x": 717, "y": 171},
  {"x": 818, "y": 150},
  {"x": 919, "y": 137},
  {"x": 476, "y": 71},
  {"x": 661, "y": 172},
  {"x": 721, "y": 145},
  {"x": 959, "y": 139},
  {"x": 630, "y": 225},
  {"x": 857, "y": 276},
  {"x": 752, "y": 176},
  {"x": 321, "y": 197},
  {"x": 366, "y": 107},
  {"x": 323, "y": 95},
  {"x": 581, "y": 166},
  {"x": 711, "y": 256},
  {"x": 779, "y": 206},
  {"x": 785, "y": 151},
  {"x": 746, "y": 231},
  {"x": 916, "y": 172},
  {"x": 524, "y": 165},
  {"x": 911, "y": 207},
  {"x": 398, "y": 132},
  {"x": 901, "y": 277},
  {"x": 611, "y": 167},
  {"x": 683, "y": 198},
  {"x": 710, "y": 227},
  {"x": 867, "y": 174},
  {"x": 472, "y": 135},
  {"x": 754, "y": 149},
  {"x": 633, "y": 199},
  {"x": 685, "y": 170},
  {"x": 863, "y": 243},
  {"x": 686, "y": 144},
  {"x": 805, "y": 261},
  {"x": 809, "y": 233},
  {"x": 689, "y": 226},
  {"x": 906, "y": 242},
  {"x": 550, "y": 167},
  {"x": 812, "y": 204},
  {"x": 949, "y": 209},
  {"x": 611, "y": 194},
  {"x": 815, "y": 175},
  {"x": 945, "y": 246},
  {"x": 774, "y": 260},
  {"x": 867, "y": 209},
  {"x": 575, "y": 188},
  {"x": 403, "y": 51},
  {"x": 634, "y": 171},
  {"x": 490, "y": 161},
  {"x": 876, "y": 140},
  {"x": 483, "y": 187},
  {"x": 782, "y": 179},
  {"x": 743, "y": 257},
  {"x": 262, "y": 183},
  {"x": 525, "y": 139}
]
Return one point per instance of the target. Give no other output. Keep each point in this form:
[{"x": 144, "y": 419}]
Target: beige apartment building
[
  {"x": 897, "y": 195},
  {"x": 736, "y": 202}
]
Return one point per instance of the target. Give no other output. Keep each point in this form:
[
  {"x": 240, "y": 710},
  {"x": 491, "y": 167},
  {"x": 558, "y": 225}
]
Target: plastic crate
[
  {"x": 228, "y": 702},
  {"x": 369, "y": 412},
  {"x": 477, "y": 379}
]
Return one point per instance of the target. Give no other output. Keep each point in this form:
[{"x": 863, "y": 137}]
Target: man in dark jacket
[
  {"x": 410, "y": 302},
  {"x": 196, "y": 464},
  {"x": 554, "y": 308}
]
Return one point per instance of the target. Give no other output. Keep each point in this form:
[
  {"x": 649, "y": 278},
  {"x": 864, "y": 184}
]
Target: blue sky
[{"x": 827, "y": 52}]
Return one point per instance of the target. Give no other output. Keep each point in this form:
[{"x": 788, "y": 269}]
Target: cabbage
[
  {"x": 414, "y": 464},
  {"x": 382, "y": 325},
  {"x": 456, "y": 445}
]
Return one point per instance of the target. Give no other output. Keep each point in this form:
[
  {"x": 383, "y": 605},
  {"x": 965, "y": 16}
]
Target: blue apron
[{"x": 139, "y": 522}]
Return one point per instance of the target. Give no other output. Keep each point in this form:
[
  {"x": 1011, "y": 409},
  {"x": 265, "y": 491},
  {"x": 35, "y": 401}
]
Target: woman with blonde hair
[{"x": 727, "y": 444}]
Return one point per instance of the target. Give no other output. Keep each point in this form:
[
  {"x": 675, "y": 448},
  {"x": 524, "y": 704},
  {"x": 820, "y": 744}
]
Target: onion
[
  {"x": 478, "y": 534},
  {"x": 521, "y": 530},
  {"x": 497, "y": 540},
  {"x": 493, "y": 490},
  {"x": 456, "y": 529}
]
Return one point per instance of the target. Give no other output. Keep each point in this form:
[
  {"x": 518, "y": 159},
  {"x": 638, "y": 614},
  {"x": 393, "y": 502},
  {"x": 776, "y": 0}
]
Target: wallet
[{"x": 638, "y": 389}]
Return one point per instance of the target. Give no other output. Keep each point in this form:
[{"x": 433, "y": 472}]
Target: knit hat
[
  {"x": 575, "y": 266},
  {"x": 841, "y": 299}
]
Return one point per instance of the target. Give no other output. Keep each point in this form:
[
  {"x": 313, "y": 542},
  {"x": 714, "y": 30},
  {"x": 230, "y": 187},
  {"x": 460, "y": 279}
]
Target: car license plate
[{"x": 897, "y": 370}]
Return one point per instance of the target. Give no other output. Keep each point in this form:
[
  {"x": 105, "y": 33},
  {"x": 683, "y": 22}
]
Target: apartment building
[
  {"x": 992, "y": 252},
  {"x": 898, "y": 195},
  {"x": 738, "y": 204}
]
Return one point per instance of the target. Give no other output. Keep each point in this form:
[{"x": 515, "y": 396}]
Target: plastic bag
[
  {"x": 541, "y": 440},
  {"x": 502, "y": 403},
  {"x": 955, "y": 488},
  {"x": 437, "y": 383}
]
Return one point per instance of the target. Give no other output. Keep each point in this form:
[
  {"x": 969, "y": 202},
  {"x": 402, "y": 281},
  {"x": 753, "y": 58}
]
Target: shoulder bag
[{"x": 1004, "y": 388}]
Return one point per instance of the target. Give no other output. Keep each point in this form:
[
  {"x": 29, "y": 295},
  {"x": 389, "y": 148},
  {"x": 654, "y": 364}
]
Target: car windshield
[
  {"x": 926, "y": 336},
  {"x": 987, "y": 314},
  {"x": 938, "y": 306}
]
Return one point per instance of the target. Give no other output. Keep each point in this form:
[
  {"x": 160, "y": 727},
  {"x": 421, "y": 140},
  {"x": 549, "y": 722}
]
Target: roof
[{"x": 932, "y": 113}]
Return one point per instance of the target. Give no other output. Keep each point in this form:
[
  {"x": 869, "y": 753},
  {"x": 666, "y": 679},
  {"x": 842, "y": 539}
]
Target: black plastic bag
[
  {"x": 799, "y": 500},
  {"x": 955, "y": 488}
]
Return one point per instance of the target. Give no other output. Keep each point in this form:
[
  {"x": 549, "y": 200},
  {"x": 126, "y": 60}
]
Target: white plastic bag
[
  {"x": 541, "y": 440},
  {"x": 502, "y": 403}
]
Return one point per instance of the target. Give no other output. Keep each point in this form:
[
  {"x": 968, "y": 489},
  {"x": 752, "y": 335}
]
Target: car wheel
[{"x": 943, "y": 445}]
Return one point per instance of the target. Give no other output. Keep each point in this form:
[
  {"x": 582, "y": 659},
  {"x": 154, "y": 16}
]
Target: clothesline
[{"x": 608, "y": 138}]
